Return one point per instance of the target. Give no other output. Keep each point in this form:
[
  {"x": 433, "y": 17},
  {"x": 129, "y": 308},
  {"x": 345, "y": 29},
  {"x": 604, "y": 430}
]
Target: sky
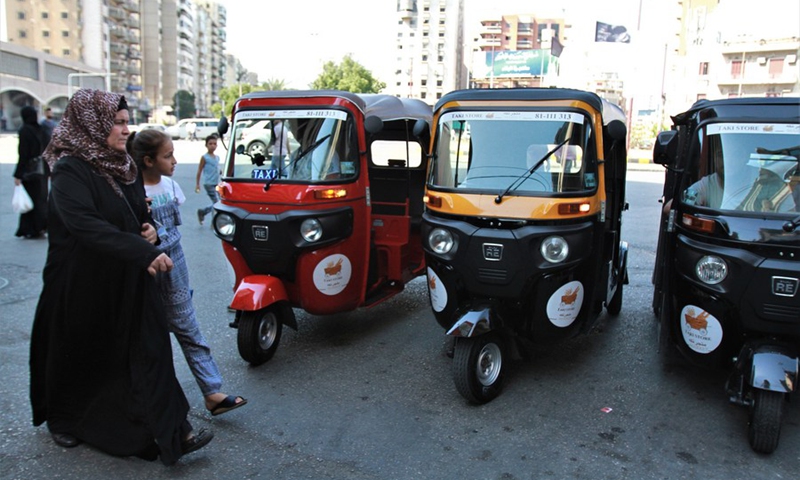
[{"x": 291, "y": 40}]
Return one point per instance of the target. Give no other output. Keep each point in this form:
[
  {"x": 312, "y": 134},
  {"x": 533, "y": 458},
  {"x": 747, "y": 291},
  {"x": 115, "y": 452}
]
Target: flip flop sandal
[{"x": 227, "y": 405}]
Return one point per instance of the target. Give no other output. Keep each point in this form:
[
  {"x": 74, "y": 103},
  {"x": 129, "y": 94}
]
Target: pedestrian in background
[
  {"x": 153, "y": 153},
  {"x": 32, "y": 141},
  {"x": 209, "y": 172},
  {"x": 48, "y": 123},
  {"x": 101, "y": 359}
]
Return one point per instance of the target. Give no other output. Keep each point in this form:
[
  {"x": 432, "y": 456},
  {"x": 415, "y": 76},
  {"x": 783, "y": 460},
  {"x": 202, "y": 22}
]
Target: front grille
[
  {"x": 492, "y": 275},
  {"x": 792, "y": 314}
]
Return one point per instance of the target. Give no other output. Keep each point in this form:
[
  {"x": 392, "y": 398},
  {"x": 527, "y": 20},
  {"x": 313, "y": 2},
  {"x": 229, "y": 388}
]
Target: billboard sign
[{"x": 511, "y": 63}]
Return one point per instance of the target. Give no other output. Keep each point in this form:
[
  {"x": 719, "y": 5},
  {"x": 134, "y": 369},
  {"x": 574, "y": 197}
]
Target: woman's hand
[
  {"x": 149, "y": 233},
  {"x": 162, "y": 263},
  {"x": 16, "y": 181}
]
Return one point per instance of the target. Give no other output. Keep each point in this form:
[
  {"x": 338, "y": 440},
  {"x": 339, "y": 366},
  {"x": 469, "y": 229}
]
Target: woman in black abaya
[
  {"x": 101, "y": 358},
  {"x": 32, "y": 142}
]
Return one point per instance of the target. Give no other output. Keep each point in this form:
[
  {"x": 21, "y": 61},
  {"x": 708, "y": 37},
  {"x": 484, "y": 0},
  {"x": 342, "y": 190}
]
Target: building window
[
  {"x": 423, "y": 94},
  {"x": 65, "y": 33},
  {"x": 424, "y": 58},
  {"x": 438, "y": 95},
  {"x": 46, "y": 50},
  {"x": 424, "y": 82},
  {"x": 23, "y": 34},
  {"x": 45, "y": 15},
  {"x": 45, "y": 33},
  {"x": 438, "y": 83},
  {"x": 64, "y": 14},
  {"x": 441, "y": 34},
  {"x": 21, "y": 15},
  {"x": 736, "y": 68},
  {"x": 701, "y": 96},
  {"x": 775, "y": 67},
  {"x": 703, "y": 68},
  {"x": 440, "y": 58},
  {"x": 65, "y": 52}
]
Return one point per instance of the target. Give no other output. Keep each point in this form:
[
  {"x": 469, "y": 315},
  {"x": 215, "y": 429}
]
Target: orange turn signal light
[
  {"x": 432, "y": 200},
  {"x": 329, "y": 194},
  {"x": 699, "y": 224},
  {"x": 573, "y": 208}
]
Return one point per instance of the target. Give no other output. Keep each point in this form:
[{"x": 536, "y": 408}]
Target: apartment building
[
  {"x": 430, "y": 49},
  {"x": 149, "y": 49},
  {"x": 36, "y": 24}
]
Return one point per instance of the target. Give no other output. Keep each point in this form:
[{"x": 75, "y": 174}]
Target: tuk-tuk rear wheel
[
  {"x": 615, "y": 305},
  {"x": 259, "y": 335},
  {"x": 478, "y": 367},
  {"x": 764, "y": 428}
]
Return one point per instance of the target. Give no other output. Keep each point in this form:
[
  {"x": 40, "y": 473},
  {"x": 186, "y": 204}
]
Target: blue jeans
[{"x": 211, "y": 191}]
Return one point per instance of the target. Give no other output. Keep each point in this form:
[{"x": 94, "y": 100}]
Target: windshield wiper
[
  {"x": 521, "y": 179},
  {"x": 307, "y": 151}
]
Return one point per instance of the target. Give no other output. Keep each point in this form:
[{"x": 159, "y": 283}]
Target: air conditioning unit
[
  {"x": 791, "y": 59},
  {"x": 762, "y": 60}
]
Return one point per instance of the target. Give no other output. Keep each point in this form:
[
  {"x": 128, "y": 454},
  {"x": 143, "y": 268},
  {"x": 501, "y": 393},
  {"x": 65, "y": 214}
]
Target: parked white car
[{"x": 205, "y": 127}]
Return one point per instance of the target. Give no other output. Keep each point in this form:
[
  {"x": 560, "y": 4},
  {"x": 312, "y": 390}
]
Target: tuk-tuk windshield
[
  {"x": 491, "y": 150},
  {"x": 745, "y": 167},
  {"x": 305, "y": 146}
]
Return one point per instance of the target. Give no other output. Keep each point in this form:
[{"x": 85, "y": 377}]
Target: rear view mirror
[
  {"x": 617, "y": 130},
  {"x": 421, "y": 129},
  {"x": 373, "y": 124},
  {"x": 222, "y": 126},
  {"x": 665, "y": 148}
]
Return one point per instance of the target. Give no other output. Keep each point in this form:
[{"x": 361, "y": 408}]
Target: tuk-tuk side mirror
[
  {"x": 617, "y": 130},
  {"x": 422, "y": 131},
  {"x": 222, "y": 126},
  {"x": 665, "y": 148},
  {"x": 373, "y": 124}
]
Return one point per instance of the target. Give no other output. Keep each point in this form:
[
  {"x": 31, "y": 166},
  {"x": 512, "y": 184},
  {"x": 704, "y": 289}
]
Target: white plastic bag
[{"x": 21, "y": 202}]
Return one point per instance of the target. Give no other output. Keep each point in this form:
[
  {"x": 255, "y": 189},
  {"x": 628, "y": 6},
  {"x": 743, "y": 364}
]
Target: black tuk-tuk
[{"x": 728, "y": 259}]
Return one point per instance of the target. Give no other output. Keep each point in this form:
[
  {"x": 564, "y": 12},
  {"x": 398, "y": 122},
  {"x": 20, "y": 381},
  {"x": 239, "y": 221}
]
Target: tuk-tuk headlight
[
  {"x": 711, "y": 269},
  {"x": 555, "y": 249},
  {"x": 311, "y": 230},
  {"x": 440, "y": 241},
  {"x": 225, "y": 225}
]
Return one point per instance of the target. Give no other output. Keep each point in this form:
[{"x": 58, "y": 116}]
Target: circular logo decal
[
  {"x": 332, "y": 274},
  {"x": 701, "y": 331},
  {"x": 565, "y": 304},
  {"x": 437, "y": 290}
]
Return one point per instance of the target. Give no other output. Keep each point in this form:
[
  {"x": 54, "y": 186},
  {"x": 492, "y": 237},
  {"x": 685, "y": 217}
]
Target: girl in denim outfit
[{"x": 154, "y": 153}]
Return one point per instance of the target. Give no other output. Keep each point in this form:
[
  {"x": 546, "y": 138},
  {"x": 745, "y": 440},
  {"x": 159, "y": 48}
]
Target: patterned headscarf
[{"x": 83, "y": 132}]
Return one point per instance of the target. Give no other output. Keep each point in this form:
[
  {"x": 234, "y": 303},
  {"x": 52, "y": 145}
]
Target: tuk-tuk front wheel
[
  {"x": 259, "y": 335},
  {"x": 478, "y": 367},
  {"x": 764, "y": 428}
]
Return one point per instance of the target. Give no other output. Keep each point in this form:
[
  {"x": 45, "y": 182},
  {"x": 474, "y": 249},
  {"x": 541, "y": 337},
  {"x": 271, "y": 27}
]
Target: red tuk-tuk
[{"x": 320, "y": 206}]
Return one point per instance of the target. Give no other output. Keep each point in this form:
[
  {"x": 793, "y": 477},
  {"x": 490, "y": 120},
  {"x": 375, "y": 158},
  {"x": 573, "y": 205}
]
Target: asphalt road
[{"x": 369, "y": 395}]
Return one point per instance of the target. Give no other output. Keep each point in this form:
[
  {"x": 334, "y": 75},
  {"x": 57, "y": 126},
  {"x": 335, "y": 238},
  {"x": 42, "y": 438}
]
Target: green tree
[
  {"x": 274, "y": 84},
  {"x": 229, "y": 95},
  {"x": 183, "y": 104},
  {"x": 349, "y": 76}
]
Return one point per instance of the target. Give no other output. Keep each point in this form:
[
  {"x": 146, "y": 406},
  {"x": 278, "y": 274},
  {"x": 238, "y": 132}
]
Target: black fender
[{"x": 773, "y": 369}]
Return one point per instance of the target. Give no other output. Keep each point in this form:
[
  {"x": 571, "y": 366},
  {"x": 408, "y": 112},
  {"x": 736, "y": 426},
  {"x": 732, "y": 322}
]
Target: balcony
[{"x": 785, "y": 78}]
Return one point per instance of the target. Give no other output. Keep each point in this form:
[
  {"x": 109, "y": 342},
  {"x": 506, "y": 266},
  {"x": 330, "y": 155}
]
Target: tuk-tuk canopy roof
[
  {"x": 608, "y": 109},
  {"x": 763, "y": 108},
  {"x": 386, "y": 107}
]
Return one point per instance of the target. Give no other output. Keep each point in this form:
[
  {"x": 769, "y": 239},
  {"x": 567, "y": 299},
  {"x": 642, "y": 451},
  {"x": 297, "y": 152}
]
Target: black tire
[
  {"x": 257, "y": 147},
  {"x": 478, "y": 367},
  {"x": 764, "y": 428},
  {"x": 615, "y": 305},
  {"x": 259, "y": 335}
]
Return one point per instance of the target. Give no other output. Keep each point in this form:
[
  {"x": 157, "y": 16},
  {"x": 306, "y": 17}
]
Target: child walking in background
[
  {"x": 154, "y": 154},
  {"x": 209, "y": 170}
]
